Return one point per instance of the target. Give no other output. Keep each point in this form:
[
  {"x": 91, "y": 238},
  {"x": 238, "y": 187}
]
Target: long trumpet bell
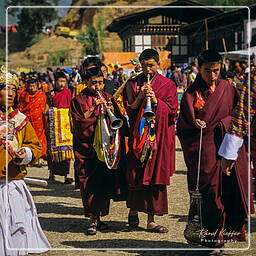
[
  {"x": 148, "y": 114},
  {"x": 115, "y": 123}
]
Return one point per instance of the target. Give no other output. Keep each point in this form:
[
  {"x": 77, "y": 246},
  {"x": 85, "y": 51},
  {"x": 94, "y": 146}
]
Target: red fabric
[
  {"x": 139, "y": 141},
  {"x": 98, "y": 184},
  {"x": 225, "y": 199},
  {"x": 62, "y": 99},
  {"x": 155, "y": 171},
  {"x": 33, "y": 107}
]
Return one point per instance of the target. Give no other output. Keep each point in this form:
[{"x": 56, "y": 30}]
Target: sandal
[
  {"x": 102, "y": 225},
  {"x": 92, "y": 230},
  {"x": 158, "y": 229},
  {"x": 133, "y": 220}
]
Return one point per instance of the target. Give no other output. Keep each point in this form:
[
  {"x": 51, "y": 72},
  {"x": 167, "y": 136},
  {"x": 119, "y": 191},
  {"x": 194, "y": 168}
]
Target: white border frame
[{"x": 249, "y": 176}]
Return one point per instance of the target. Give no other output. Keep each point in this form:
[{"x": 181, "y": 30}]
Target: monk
[
  {"x": 151, "y": 156},
  {"x": 207, "y": 104},
  {"x": 235, "y": 138},
  {"x": 32, "y": 104},
  {"x": 58, "y": 126},
  {"x": 98, "y": 182}
]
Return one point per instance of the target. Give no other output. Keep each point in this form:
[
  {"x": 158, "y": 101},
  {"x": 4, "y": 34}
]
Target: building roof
[
  {"x": 222, "y": 19},
  {"x": 182, "y": 14}
]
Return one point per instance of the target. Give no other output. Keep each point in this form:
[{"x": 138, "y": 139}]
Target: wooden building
[
  {"x": 184, "y": 30},
  {"x": 159, "y": 28},
  {"x": 228, "y": 31}
]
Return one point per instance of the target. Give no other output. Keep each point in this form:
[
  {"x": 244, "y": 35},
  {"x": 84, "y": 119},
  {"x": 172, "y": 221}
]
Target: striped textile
[
  {"x": 60, "y": 138},
  {"x": 239, "y": 123}
]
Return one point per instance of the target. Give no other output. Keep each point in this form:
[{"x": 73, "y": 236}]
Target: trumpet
[
  {"x": 148, "y": 114},
  {"x": 116, "y": 123}
]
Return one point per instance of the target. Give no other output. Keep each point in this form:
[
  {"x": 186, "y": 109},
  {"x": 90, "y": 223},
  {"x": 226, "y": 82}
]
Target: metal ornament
[{"x": 194, "y": 227}]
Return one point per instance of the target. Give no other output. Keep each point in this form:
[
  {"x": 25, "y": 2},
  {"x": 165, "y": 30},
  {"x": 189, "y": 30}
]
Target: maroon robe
[
  {"x": 58, "y": 99},
  {"x": 225, "y": 199},
  {"x": 98, "y": 184},
  {"x": 147, "y": 181}
]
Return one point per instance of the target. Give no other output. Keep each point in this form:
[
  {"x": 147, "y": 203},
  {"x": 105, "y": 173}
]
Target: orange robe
[{"x": 33, "y": 107}]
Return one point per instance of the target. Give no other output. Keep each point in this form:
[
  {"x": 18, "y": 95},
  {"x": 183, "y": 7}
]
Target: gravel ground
[{"x": 61, "y": 216}]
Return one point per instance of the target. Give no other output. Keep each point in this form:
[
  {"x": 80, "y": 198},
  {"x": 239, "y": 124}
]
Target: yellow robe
[
  {"x": 26, "y": 137},
  {"x": 78, "y": 89}
]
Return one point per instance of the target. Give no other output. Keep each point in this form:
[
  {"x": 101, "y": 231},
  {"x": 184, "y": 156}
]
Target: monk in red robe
[
  {"x": 59, "y": 153},
  {"x": 98, "y": 183},
  {"x": 208, "y": 103},
  {"x": 32, "y": 103},
  {"x": 151, "y": 156}
]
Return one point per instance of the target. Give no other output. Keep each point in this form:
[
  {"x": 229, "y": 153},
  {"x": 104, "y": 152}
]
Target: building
[
  {"x": 186, "y": 30},
  {"x": 159, "y": 28},
  {"x": 225, "y": 32}
]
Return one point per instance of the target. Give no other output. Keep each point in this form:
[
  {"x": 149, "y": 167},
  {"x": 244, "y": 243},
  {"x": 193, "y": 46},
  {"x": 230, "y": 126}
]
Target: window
[
  {"x": 175, "y": 50},
  {"x": 147, "y": 40},
  {"x": 140, "y": 42},
  {"x": 138, "y": 48}
]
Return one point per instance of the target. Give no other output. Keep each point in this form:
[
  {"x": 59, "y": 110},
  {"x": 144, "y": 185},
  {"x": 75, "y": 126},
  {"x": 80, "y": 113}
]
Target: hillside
[
  {"x": 76, "y": 18},
  {"x": 37, "y": 54}
]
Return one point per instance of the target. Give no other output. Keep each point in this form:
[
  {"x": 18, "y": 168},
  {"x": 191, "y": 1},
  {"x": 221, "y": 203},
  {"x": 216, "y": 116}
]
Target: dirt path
[{"x": 60, "y": 210}]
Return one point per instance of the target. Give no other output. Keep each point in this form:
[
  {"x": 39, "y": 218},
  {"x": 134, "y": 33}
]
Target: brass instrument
[
  {"x": 116, "y": 123},
  {"x": 148, "y": 114}
]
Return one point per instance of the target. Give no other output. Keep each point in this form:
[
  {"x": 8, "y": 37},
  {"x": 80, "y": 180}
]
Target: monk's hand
[
  {"x": 100, "y": 101},
  {"x": 227, "y": 165},
  {"x": 150, "y": 93},
  {"x": 143, "y": 91},
  {"x": 110, "y": 105},
  {"x": 19, "y": 155},
  {"x": 200, "y": 124}
]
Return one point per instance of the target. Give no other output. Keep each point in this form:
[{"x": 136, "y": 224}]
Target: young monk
[
  {"x": 98, "y": 182},
  {"x": 20, "y": 230},
  {"x": 151, "y": 156},
  {"x": 208, "y": 103},
  {"x": 32, "y": 104},
  {"x": 59, "y": 136}
]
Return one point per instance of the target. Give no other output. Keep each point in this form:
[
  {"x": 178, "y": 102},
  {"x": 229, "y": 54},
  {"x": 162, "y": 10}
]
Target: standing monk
[
  {"x": 208, "y": 103},
  {"x": 98, "y": 182},
  {"x": 32, "y": 104},
  {"x": 151, "y": 157},
  {"x": 59, "y": 136}
]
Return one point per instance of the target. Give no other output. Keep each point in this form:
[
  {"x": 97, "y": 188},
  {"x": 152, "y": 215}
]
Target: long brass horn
[
  {"x": 148, "y": 114},
  {"x": 115, "y": 123}
]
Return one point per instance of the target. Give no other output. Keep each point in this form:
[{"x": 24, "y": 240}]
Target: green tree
[
  {"x": 59, "y": 57},
  {"x": 100, "y": 26},
  {"x": 32, "y": 20},
  {"x": 89, "y": 39}
]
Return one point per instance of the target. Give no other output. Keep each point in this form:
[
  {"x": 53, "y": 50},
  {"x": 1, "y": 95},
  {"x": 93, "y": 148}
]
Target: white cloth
[
  {"x": 28, "y": 158},
  {"x": 20, "y": 230},
  {"x": 230, "y": 146}
]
